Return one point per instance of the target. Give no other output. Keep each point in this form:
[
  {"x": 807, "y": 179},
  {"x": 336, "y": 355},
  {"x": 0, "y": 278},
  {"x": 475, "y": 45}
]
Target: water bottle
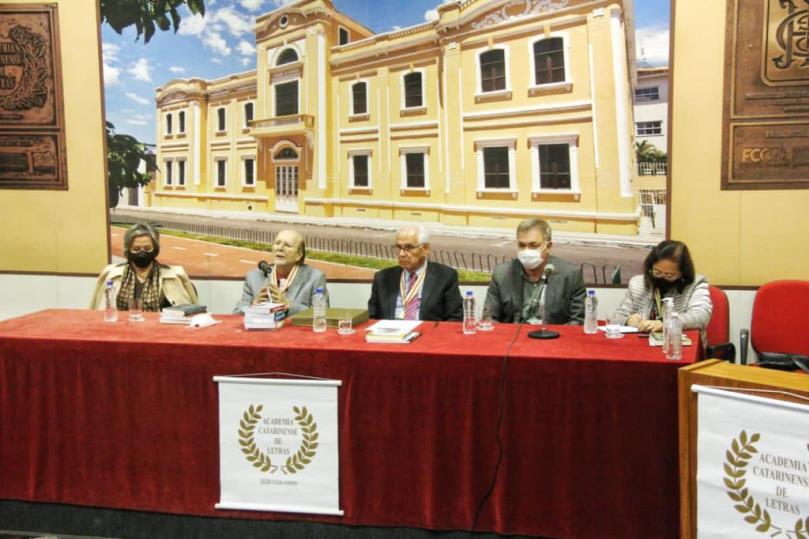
[
  {"x": 668, "y": 309},
  {"x": 110, "y": 312},
  {"x": 673, "y": 340},
  {"x": 319, "y": 323},
  {"x": 470, "y": 324},
  {"x": 591, "y": 313}
]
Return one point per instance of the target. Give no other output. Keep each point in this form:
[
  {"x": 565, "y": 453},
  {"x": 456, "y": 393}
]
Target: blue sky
[{"x": 222, "y": 43}]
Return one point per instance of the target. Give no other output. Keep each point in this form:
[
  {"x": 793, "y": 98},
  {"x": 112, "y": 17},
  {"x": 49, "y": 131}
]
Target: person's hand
[
  {"x": 634, "y": 320},
  {"x": 278, "y": 296},
  {"x": 650, "y": 326},
  {"x": 262, "y": 297}
]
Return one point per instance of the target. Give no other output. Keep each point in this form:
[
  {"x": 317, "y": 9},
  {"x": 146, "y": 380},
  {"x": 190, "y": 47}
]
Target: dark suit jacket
[
  {"x": 440, "y": 295},
  {"x": 564, "y": 297}
]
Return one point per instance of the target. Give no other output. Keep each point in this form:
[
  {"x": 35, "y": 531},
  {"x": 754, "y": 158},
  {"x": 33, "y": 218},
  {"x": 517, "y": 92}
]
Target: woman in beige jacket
[{"x": 156, "y": 285}]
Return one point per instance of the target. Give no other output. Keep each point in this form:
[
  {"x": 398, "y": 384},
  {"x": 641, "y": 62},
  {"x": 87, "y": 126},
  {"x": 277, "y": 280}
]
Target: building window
[
  {"x": 495, "y": 168},
  {"x": 493, "y": 70},
  {"x": 648, "y": 129},
  {"x": 286, "y": 98},
  {"x": 549, "y": 61},
  {"x": 343, "y": 36},
  {"x": 554, "y": 166},
  {"x": 413, "y": 94},
  {"x": 288, "y": 56},
  {"x": 181, "y": 172},
  {"x": 650, "y": 93},
  {"x": 415, "y": 170},
  {"x": 248, "y": 113},
  {"x": 249, "y": 172},
  {"x": 181, "y": 121},
  {"x": 359, "y": 169},
  {"x": 359, "y": 97},
  {"x": 168, "y": 175},
  {"x": 168, "y": 123},
  {"x": 554, "y": 163},
  {"x": 285, "y": 153},
  {"x": 220, "y": 119},
  {"x": 221, "y": 172}
]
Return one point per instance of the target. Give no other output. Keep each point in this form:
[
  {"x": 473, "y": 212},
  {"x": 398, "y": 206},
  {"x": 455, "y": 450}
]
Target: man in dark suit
[
  {"x": 536, "y": 283},
  {"x": 416, "y": 290}
]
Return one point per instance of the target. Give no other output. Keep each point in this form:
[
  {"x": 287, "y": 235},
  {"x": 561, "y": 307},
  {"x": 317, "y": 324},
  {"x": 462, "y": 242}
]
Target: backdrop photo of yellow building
[{"x": 495, "y": 111}]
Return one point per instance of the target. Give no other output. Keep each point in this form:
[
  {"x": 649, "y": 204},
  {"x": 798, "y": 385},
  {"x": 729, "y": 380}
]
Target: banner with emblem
[
  {"x": 752, "y": 465},
  {"x": 278, "y": 445}
]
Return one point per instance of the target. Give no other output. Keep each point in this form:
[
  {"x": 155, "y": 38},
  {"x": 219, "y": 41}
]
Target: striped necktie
[{"x": 412, "y": 308}]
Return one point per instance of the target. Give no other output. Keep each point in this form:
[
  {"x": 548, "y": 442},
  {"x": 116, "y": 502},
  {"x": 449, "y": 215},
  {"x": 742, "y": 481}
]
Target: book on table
[
  {"x": 393, "y": 331},
  {"x": 181, "y": 313},
  {"x": 656, "y": 339},
  {"x": 266, "y": 315},
  {"x": 333, "y": 317}
]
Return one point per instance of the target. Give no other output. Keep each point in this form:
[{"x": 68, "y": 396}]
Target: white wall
[
  {"x": 22, "y": 294},
  {"x": 654, "y": 111}
]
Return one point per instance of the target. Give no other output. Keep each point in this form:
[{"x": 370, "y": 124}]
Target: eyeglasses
[
  {"x": 141, "y": 250},
  {"x": 406, "y": 247},
  {"x": 666, "y": 275}
]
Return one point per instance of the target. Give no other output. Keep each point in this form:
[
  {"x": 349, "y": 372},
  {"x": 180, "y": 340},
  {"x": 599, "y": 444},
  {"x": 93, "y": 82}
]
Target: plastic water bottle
[
  {"x": 673, "y": 339},
  {"x": 319, "y": 323},
  {"x": 470, "y": 323},
  {"x": 110, "y": 312},
  {"x": 668, "y": 309},
  {"x": 591, "y": 313}
]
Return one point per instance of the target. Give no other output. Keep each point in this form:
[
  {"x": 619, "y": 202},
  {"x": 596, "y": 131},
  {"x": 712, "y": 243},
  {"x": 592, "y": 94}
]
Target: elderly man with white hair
[{"x": 416, "y": 289}]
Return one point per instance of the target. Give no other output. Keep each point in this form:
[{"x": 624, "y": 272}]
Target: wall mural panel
[{"x": 32, "y": 132}]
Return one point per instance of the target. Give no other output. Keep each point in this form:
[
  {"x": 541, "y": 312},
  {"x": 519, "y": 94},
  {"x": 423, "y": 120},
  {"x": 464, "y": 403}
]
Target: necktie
[{"x": 412, "y": 308}]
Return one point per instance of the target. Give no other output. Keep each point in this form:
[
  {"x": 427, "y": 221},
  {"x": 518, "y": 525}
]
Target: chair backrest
[
  {"x": 779, "y": 321},
  {"x": 718, "y": 330}
]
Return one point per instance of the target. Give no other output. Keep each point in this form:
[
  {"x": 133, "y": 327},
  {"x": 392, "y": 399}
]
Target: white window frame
[
  {"x": 403, "y": 152},
  {"x": 423, "y": 105},
  {"x": 637, "y": 129},
  {"x": 568, "y": 82},
  {"x": 646, "y": 98},
  {"x": 284, "y": 80},
  {"x": 572, "y": 141},
  {"x": 246, "y": 158},
  {"x": 166, "y": 120},
  {"x": 225, "y": 109},
  {"x": 244, "y": 112},
  {"x": 351, "y": 112},
  {"x": 168, "y": 175},
  {"x": 507, "y": 59},
  {"x": 216, "y": 172},
  {"x": 181, "y": 177},
  {"x": 511, "y": 144},
  {"x": 356, "y": 152},
  {"x": 182, "y": 126},
  {"x": 281, "y": 51}
]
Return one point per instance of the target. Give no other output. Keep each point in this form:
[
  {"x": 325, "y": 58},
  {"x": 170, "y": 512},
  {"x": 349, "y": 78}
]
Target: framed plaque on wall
[{"x": 32, "y": 130}]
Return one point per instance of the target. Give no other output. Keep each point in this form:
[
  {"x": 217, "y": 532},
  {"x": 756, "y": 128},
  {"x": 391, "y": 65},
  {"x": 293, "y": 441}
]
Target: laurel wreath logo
[
  {"x": 736, "y": 460},
  {"x": 307, "y": 449},
  {"x": 297, "y": 462}
]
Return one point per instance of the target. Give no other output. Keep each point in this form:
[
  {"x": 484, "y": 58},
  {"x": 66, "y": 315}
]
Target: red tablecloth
[{"x": 125, "y": 416}]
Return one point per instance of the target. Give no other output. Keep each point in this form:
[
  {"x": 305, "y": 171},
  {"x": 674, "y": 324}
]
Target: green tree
[
  {"x": 125, "y": 157},
  {"x": 146, "y": 14},
  {"x": 649, "y": 153}
]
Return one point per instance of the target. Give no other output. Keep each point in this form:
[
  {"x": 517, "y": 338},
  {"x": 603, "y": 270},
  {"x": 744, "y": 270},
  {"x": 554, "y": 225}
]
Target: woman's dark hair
[{"x": 677, "y": 252}]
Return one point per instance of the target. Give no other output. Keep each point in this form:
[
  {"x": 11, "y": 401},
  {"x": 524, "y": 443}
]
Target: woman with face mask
[
  {"x": 668, "y": 272},
  {"x": 142, "y": 276}
]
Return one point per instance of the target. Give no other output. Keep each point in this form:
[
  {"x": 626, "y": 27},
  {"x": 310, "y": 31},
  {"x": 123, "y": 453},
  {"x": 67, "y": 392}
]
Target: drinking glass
[
  {"x": 344, "y": 325},
  {"x": 614, "y": 326},
  {"x": 485, "y": 322},
  {"x": 136, "y": 310}
]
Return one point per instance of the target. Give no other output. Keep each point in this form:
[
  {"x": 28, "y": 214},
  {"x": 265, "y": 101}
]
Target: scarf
[{"x": 149, "y": 295}]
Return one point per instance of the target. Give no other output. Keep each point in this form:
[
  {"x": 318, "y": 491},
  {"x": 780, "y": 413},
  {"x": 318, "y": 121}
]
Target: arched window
[
  {"x": 549, "y": 61},
  {"x": 287, "y": 57},
  {"x": 286, "y": 153}
]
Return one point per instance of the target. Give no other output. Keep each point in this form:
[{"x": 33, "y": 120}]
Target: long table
[{"x": 124, "y": 415}]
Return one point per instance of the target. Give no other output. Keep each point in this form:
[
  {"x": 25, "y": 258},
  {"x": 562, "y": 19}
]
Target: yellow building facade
[{"x": 491, "y": 113}]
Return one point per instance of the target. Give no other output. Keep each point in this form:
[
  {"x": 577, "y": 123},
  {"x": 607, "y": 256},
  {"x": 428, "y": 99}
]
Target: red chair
[
  {"x": 779, "y": 323},
  {"x": 718, "y": 330}
]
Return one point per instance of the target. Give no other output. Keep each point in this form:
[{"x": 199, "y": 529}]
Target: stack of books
[
  {"x": 181, "y": 314},
  {"x": 393, "y": 332},
  {"x": 264, "y": 316}
]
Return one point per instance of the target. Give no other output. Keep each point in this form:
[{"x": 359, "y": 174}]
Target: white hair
[{"x": 422, "y": 235}]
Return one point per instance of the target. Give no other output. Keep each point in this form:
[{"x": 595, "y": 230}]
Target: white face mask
[{"x": 530, "y": 258}]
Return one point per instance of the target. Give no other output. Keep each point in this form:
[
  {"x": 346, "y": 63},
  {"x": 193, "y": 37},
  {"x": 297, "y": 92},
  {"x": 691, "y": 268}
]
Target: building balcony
[{"x": 295, "y": 124}]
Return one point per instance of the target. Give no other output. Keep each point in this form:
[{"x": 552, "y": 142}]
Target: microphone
[
  {"x": 544, "y": 333},
  {"x": 265, "y": 267},
  {"x": 549, "y": 270}
]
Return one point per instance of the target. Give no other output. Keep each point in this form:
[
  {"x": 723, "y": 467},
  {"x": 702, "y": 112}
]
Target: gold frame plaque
[
  {"x": 32, "y": 130},
  {"x": 765, "y": 123}
]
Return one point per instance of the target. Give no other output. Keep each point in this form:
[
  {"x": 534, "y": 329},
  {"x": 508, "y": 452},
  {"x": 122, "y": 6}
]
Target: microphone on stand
[{"x": 544, "y": 333}]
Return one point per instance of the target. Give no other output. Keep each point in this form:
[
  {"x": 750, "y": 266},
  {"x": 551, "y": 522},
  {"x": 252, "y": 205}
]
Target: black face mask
[
  {"x": 142, "y": 259},
  {"x": 663, "y": 285}
]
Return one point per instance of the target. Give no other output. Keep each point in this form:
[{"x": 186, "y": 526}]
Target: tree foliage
[
  {"x": 125, "y": 155},
  {"x": 147, "y": 14},
  {"x": 649, "y": 153}
]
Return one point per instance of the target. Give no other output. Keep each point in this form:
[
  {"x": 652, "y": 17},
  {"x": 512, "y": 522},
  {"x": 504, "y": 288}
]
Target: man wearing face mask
[
  {"x": 536, "y": 283},
  {"x": 142, "y": 276}
]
